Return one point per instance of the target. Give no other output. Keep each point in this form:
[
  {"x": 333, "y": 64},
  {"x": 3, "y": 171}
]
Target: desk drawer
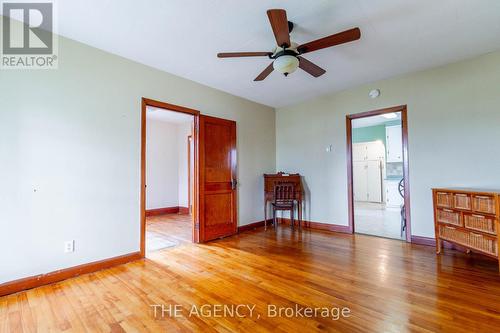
[
  {"x": 449, "y": 216},
  {"x": 480, "y": 223},
  {"x": 484, "y": 204}
]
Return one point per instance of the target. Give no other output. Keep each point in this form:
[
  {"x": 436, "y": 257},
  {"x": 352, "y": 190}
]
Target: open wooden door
[{"x": 217, "y": 178}]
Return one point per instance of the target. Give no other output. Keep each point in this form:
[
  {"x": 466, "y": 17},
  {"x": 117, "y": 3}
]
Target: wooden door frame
[
  {"x": 145, "y": 102},
  {"x": 406, "y": 169},
  {"x": 189, "y": 138}
]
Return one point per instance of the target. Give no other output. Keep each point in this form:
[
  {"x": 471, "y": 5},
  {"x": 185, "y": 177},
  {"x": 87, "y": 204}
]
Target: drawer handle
[
  {"x": 483, "y": 197},
  {"x": 476, "y": 235},
  {"x": 478, "y": 216},
  {"x": 443, "y": 193},
  {"x": 447, "y": 210},
  {"x": 460, "y": 195},
  {"x": 450, "y": 228}
]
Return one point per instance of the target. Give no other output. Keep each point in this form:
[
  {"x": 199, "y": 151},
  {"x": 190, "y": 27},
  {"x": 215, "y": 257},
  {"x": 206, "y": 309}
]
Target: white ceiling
[
  {"x": 183, "y": 37},
  {"x": 374, "y": 120},
  {"x": 167, "y": 116}
]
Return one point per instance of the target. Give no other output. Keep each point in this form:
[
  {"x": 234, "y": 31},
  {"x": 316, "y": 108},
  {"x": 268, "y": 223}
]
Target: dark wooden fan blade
[
  {"x": 311, "y": 68},
  {"x": 279, "y": 23},
  {"x": 340, "y": 38},
  {"x": 265, "y": 73},
  {"x": 243, "y": 54}
]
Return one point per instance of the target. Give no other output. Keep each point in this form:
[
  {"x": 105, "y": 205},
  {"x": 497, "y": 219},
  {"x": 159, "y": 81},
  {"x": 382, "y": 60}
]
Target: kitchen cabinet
[
  {"x": 368, "y": 170},
  {"x": 394, "y": 144},
  {"x": 365, "y": 151},
  {"x": 393, "y": 198},
  {"x": 367, "y": 180}
]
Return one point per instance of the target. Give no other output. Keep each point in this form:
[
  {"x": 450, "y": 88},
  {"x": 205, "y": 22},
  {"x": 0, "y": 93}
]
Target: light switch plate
[{"x": 69, "y": 246}]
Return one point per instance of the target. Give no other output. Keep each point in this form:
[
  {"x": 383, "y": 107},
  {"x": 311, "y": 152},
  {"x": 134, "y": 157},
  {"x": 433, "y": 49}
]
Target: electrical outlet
[{"x": 69, "y": 246}]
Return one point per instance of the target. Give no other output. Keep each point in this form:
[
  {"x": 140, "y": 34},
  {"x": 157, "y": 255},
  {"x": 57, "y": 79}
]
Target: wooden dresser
[{"x": 467, "y": 217}]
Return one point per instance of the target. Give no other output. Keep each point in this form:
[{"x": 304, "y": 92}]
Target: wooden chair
[{"x": 284, "y": 200}]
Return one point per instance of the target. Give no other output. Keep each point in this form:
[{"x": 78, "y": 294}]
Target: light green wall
[
  {"x": 372, "y": 133},
  {"x": 367, "y": 134},
  {"x": 70, "y": 156},
  {"x": 392, "y": 122},
  {"x": 453, "y": 120}
]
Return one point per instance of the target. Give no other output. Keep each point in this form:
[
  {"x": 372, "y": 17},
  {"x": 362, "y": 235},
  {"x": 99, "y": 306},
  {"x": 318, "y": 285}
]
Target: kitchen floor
[{"x": 375, "y": 219}]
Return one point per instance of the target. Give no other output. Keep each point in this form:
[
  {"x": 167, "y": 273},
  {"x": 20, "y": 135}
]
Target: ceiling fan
[{"x": 287, "y": 55}]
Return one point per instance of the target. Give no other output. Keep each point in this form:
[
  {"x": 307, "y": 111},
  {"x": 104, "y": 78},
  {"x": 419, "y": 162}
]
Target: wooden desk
[{"x": 271, "y": 179}]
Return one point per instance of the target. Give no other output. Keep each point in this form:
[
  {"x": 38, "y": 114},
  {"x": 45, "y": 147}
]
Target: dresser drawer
[
  {"x": 484, "y": 204},
  {"x": 469, "y": 239},
  {"x": 480, "y": 223},
  {"x": 483, "y": 243},
  {"x": 462, "y": 201},
  {"x": 453, "y": 234},
  {"x": 444, "y": 199},
  {"x": 448, "y": 216}
]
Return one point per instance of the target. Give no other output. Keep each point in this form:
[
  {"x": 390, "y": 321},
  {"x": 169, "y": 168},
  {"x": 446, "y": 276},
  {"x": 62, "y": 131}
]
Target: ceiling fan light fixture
[
  {"x": 287, "y": 55},
  {"x": 286, "y": 64}
]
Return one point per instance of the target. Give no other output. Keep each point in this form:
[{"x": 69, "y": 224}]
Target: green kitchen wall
[
  {"x": 367, "y": 134},
  {"x": 372, "y": 133}
]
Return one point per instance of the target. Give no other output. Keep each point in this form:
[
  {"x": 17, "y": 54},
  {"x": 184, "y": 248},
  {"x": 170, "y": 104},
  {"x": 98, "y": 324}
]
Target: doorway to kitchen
[{"x": 378, "y": 173}]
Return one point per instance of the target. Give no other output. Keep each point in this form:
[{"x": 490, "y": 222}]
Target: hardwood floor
[
  {"x": 388, "y": 286},
  {"x": 175, "y": 229}
]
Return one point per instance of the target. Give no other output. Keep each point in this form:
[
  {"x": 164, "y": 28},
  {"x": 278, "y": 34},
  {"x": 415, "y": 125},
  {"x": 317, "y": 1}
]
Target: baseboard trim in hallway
[
  {"x": 63, "y": 274},
  {"x": 183, "y": 210},
  {"x": 167, "y": 210}
]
